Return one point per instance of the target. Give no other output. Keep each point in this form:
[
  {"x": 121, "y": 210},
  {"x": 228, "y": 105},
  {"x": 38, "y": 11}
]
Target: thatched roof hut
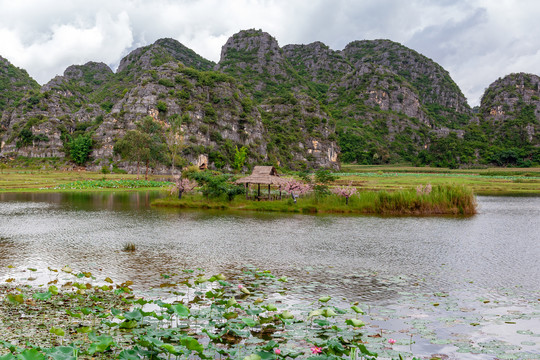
[{"x": 265, "y": 175}]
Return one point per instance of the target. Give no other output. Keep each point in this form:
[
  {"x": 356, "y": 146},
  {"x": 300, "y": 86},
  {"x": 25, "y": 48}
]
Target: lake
[{"x": 462, "y": 287}]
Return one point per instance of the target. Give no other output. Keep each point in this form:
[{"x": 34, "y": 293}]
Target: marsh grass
[{"x": 443, "y": 200}]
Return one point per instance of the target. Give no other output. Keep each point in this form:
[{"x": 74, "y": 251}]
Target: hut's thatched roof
[{"x": 262, "y": 175}]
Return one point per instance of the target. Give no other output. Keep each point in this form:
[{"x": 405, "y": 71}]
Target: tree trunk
[
  {"x": 146, "y": 173},
  {"x": 180, "y": 194},
  {"x": 138, "y": 172}
]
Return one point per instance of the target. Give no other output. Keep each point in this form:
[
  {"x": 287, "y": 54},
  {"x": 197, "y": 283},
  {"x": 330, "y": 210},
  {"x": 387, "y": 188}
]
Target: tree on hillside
[
  {"x": 240, "y": 156},
  {"x": 79, "y": 149},
  {"x": 145, "y": 145},
  {"x": 132, "y": 147},
  {"x": 174, "y": 139}
]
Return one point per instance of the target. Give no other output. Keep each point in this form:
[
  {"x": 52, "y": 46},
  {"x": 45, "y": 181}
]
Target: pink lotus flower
[
  {"x": 316, "y": 350},
  {"x": 391, "y": 341},
  {"x": 277, "y": 351},
  {"x": 240, "y": 286}
]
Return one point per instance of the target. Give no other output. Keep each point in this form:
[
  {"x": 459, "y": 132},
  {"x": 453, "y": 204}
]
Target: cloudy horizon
[{"x": 477, "y": 41}]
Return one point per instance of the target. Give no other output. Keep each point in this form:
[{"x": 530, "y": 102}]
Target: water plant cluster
[
  {"x": 202, "y": 317},
  {"x": 112, "y": 184}
]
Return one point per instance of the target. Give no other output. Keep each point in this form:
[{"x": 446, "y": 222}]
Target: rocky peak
[
  {"x": 254, "y": 51},
  {"x": 85, "y": 78},
  {"x": 255, "y": 47},
  {"x": 160, "y": 52},
  {"x": 94, "y": 70},
  {"x": 510, "y": 108},
  {"x": 255, "y": 58}
]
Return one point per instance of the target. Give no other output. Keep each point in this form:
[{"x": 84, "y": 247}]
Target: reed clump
[
  {"x": 129, "y": 247},
  {"x": 442, "y": 199}
]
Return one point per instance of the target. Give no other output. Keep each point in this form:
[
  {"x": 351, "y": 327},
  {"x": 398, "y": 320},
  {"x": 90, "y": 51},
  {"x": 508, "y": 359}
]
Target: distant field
[{"x": 491, "y": 181}]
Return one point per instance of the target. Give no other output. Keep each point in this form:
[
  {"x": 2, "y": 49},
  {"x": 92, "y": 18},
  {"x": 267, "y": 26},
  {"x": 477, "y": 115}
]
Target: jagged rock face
[
  {"x": 378, "y": 87},
  {"x": 210, "y": 113},
  {"x": 510, "y": 110},
  {"x": 432, "y": 82},
  {"x": 300, "y": 134},
  {"x": 317, "y": 62}
]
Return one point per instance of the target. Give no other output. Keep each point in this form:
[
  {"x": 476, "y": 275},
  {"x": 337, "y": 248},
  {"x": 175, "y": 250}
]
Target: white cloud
[{"x": 104, "y": 39}]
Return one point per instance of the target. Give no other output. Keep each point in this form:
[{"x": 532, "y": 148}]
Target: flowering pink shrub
[
  {"x": 345, "y": 191},
  {"x": 183, "y": 185},
  {"x": 296, "y": 188}
]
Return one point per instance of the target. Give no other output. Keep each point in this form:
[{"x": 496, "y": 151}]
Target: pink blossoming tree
[
  {"x": 345, "y": 191},
  {"x": 296, "y": 188}
]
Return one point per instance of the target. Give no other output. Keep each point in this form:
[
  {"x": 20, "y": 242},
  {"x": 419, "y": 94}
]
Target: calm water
[{"x": 384, "y": 261}]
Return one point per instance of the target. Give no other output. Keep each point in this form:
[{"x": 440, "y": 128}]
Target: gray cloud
[{"x": 476, "y": 41}]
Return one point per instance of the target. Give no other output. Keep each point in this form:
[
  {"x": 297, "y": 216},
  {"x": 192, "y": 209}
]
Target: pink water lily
[
  {"x": 316, "y": 350},
  {"x": 277, "y": 351},
  {"x": 391, "y": 341},
  {"x": 240, "y": 286}
]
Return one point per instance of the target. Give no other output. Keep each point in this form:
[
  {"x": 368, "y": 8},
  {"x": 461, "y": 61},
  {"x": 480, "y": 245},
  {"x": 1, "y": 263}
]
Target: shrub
[
  {"x": 80, "y": 148},
  {"x": 162, "y": 106}
]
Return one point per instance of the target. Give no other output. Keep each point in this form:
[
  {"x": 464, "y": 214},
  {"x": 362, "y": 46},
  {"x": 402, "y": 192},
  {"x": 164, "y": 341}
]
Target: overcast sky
[{"x": 477, "y": 41}]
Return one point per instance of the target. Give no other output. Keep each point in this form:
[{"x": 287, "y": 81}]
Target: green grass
[{"x": 443, "y": 200}]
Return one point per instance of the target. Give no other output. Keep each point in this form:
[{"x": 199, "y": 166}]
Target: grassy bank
[{"x": 442, "y": 200}]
